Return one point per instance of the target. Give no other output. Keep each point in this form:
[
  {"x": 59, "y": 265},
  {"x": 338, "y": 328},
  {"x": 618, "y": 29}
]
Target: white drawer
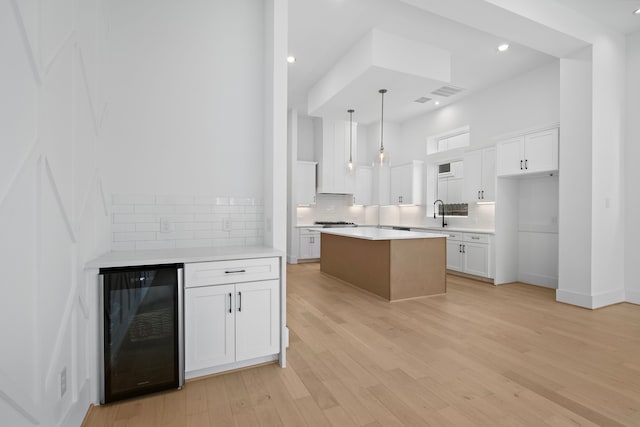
[
  {"x": 476, "y": 238},
  {"x": 453, "y": 235},
  {"x": 235, "y": 271},
  {"x": 310, "y": 233}
]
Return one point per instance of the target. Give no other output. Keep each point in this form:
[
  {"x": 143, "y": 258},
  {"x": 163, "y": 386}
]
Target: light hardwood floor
[{"x": 479, "y": 355}]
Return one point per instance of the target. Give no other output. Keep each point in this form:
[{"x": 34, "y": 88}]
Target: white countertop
[
  {"x": 314, "y": 227},
  {"x": 182, "y": 255},
  {"x": 369, "y": 233}
]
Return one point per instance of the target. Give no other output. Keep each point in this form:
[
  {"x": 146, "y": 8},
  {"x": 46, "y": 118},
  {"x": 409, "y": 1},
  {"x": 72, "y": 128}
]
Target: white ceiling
[
  {"x": 322, "y": 31},
  {"x": 615, "y": 14}
]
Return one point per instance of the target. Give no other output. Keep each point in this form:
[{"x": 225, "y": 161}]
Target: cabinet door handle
[
  {"x": 520, "y": 164},
  {"x": 482, "y": 194},
  {"x": 478, "y": 194},
  {"x": 475, "y": 238},
  {"x": 240, "y": 301},
  {"x": 460, "y": 248},
  {"x": 235, "y": 271},
  {"x": 229, "y": 302},
  {"x": 526, "y": 161}
]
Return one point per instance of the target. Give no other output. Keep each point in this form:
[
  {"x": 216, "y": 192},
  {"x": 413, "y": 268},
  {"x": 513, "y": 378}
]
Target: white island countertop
[
  {"x": 180, "y": 255},
  {"x": 369, "y": 233}
]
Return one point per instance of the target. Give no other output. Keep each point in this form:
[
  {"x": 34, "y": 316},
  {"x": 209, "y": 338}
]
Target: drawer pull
[
  {"x": 235, "y": 271},
  {"x": 240, "y": 303},
  {"x": 230, "y": 302},
  {"x": 475, "y": 238}
]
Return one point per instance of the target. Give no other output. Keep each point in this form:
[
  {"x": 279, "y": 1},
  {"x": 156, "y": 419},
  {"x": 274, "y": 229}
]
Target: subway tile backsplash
[{"x": 178, "y": 221}]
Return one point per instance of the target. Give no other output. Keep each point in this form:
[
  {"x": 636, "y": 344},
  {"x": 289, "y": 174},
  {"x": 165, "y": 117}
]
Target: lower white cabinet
[
  {"x": 309, "y": 245},
  {"x": 468, "y": 253},
  {"x": 228, "y": 323}
]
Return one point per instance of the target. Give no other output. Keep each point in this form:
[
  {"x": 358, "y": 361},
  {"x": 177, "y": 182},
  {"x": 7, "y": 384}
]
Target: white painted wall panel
[
  {"x": 55, "y": 27},
  {"x": 19, "y": 92}
]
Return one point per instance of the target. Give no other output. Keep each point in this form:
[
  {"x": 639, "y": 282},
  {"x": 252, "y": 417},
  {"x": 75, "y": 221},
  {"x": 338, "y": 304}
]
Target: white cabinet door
[
  {"x": 315, "y": 246},
  {"x": 364, "y": 181},
  {"x": 541, "y": 151},
  {"x": 510, "y": 157},
  {"x": 398, "y": 183},
  {"x": 476, "y": 259},
  {"x": 257, "y": 319},
  {"x": 381, "y": 185},
  {"x": 304, "y": 249},
  {"x": 454, "y": 255},
  {"x": 305, "y": 183},
  {"x": 209, "y": 326},
  {"x": 472, "y": 176},
  {"x": 488, "y": 190},
  {"x": 406, "y": 183}
]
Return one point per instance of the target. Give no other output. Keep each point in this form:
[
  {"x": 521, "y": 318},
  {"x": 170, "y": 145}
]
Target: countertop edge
[{"x": 179, "y": 256}]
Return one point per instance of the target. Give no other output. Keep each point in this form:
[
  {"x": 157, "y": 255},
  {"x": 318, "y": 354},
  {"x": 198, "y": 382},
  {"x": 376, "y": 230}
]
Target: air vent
[
  {"x": 447, "y": 91},
  {"x": 422, "y": 100}
]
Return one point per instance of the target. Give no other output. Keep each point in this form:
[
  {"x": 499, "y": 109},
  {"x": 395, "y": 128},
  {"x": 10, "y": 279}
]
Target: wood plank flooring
[{"x": 479, "y": 355}]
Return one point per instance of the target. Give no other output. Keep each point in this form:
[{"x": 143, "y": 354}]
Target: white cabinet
[
  {"x": 480, "y": 175},
  {"x": 406, "y": 183},
  {"x": 531, "y": 153},
  {"x": 234, "y": 321},
  {"x": 364, "y": 182},
  {"x": 381, "y": 184},
  {"x": 305, "y": 183},
  {"x": 468, "y": 253},
  {"x": 309, "y": 244},
  {"x": 333, "y": 156}
]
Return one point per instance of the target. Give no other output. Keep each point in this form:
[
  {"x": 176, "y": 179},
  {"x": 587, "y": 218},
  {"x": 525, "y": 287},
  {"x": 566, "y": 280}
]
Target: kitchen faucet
[{"x": 444, "y": 224}]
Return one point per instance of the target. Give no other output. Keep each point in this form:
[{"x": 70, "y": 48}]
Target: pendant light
[
  {"x": 383, "y": 158},
  {"x": 350, "y": 165}
]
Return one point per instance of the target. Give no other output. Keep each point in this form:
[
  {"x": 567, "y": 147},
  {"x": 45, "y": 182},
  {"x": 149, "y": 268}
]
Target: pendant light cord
[
  {"x": 382, "y": 92},
  {"x": 350, "y": 134}
]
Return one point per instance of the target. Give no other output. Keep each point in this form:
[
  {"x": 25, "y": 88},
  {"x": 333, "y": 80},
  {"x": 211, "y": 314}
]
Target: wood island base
[{"x": 391, "y": 269}]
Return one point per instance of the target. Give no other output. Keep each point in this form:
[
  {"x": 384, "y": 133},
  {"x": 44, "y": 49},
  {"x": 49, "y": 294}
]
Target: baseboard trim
[
  {"x": 78, "y": 412},
  {"x": 590, "y": 301},
  {"x": 231, "y": 367},
  {"x": 471, "y": 276},
  {"x": 632, "y": 296}
]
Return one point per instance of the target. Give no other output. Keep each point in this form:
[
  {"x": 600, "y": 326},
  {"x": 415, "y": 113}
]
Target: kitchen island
[{"x": 393, "y": 264}]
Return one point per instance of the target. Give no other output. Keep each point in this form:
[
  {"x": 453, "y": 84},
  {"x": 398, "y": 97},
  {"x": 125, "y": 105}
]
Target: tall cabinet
[{"x": 480, "y": 175}]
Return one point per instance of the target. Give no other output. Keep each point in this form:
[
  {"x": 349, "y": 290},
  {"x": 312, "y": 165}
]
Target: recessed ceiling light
[
  {"x": 291, "y": 59},
  {"x": 503, "y": 47},
  {"x": 437, "y": 103},
  {"x": 637, "y": 11}
]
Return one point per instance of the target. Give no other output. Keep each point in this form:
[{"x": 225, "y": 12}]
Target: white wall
[
  {"x": 52, "y": 209},
  {"x": 186, "y": 84},
  {"x": 574, "y": 280},
  {"x": 526, "y": 101},
  {"x": 306, "y": 137},
  {"x": 632, "y": 171}
]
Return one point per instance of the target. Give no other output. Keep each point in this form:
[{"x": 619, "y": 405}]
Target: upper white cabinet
[
  {"x": 381, "y": 185},
  {"x": 480, "y": 175},
  {"x": 531, "y": 153},
  {"x": 305, "y": 183},
  {"x": 406, "y": 183},
  {"x": 333, "y": 157},
  {"x": 364, "y": 181}
]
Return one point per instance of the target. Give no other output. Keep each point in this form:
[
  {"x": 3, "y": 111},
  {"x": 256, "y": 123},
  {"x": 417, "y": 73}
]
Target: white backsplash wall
[
  {"x": 480, "y": 216},
  {"x": 331, "y": 207},
  {"x": 159, "y": 222}
]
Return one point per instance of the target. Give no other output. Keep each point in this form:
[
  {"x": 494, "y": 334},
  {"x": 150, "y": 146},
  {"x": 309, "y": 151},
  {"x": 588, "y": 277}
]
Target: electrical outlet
[
  {"x": 63, "y": 381},
  {"x": 226, "y": 224},
  {"x": 165, "y": 225}
]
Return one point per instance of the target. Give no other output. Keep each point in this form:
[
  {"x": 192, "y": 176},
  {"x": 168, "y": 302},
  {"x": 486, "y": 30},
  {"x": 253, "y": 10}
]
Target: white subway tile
[
  {"x": 211, "y": 234},
  {"x": 123, "y": 227},
  {"x": 148, "y": 226},
  {"x": 204, "y": 200},
  {"x": 123, "y": 246},
  {"x": 254, "y": 241},
  {"x": 178, "y": 218},
  {"x": 237, "y": 225},
  {"x": 133, "y": 236},
  {"x": 221, "y": 209},
  {"x": 222, "y": 201},
  {"x": 241, "y": 201},
  {"x": 120, "y": 218},
  {"x": 253, "y": 225},
  {"x": 236, "y": 209},
  {"x": 175, "y": 200},
  {"x": 228, "y": 242},
  {"x": 209, "y": 217},
  {"x": 133, "y": 199},
  {"x": 182, "y": 209},
  {"x": 193, "y": 226},
  {"x": 155, "y": 209},
  {"x": 175, "y": 235},
  {"x": 254, "y": 209},
  {"x": 243, "y": 233},
  {"x": 122, "y": 209},
  {"x": 194, "y": 243},
  {"x": 156, "y": 244}
]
